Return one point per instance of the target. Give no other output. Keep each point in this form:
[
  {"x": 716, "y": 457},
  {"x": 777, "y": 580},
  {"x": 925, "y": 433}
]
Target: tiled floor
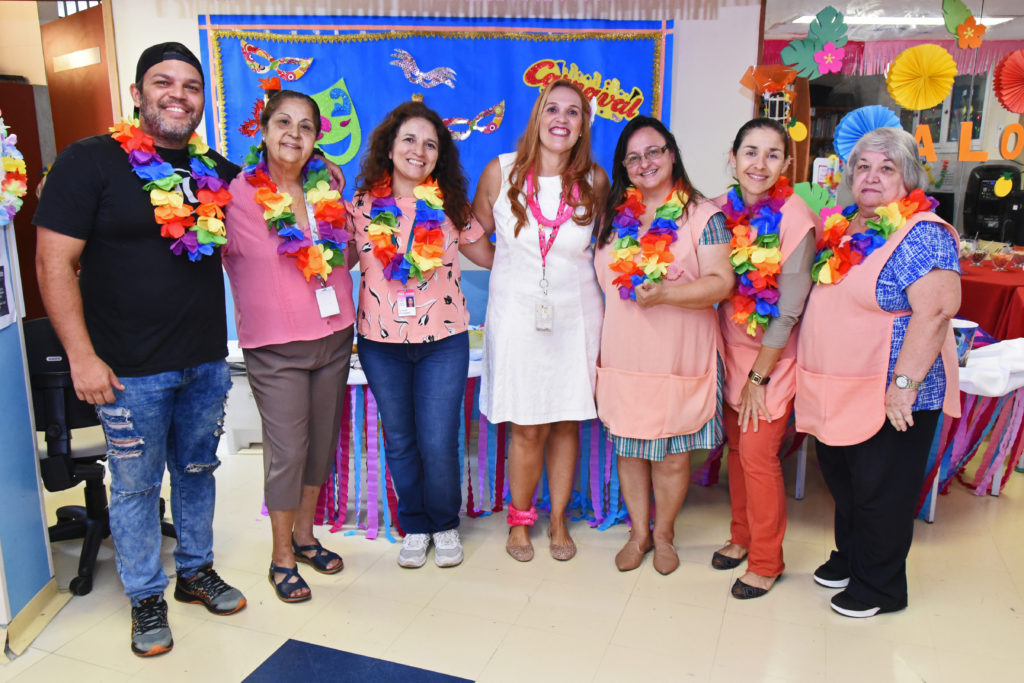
[{"x": 494, "y": 619}]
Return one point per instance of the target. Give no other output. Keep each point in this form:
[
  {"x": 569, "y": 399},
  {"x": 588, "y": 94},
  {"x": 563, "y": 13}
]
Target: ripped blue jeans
[{"x": 169, "y": 420}]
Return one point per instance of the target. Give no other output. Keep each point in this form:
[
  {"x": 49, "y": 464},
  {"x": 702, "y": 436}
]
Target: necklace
[
  {"x": 838, "y": 252},
  {"x": 564, "y": 210},
  {"x": 756, "y": 256},
  {"x": 325, "y": 250},
  {"x": 13, "y": 183},
  {"x": 653, "y": 248},
  {"x": 197, "y": 230},
  {"x": 427, "y": 243}
]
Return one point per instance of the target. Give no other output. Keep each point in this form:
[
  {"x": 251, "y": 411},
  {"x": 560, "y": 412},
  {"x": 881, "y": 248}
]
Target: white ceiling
[{"x": 780, "y": 14}]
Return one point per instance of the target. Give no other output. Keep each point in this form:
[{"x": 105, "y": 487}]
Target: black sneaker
[
  {"x": 849, "y": 606},
  {"x": 208, "y": 589},
  {"x": 826, "y": 576},
  {"x": 150, "y": 633}
]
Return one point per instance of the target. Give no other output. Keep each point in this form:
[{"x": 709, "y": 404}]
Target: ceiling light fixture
[{"x": 902, "y": 21}]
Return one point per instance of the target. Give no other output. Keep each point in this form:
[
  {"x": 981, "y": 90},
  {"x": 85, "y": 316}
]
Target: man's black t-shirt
[{"x": 147, "y": 310}]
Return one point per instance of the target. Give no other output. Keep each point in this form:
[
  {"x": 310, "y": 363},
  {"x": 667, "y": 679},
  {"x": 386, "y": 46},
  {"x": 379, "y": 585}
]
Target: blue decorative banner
[{"x": 481, "y": 75}]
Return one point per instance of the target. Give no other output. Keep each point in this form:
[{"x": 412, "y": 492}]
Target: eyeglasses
[{"x": 650, "y": 154}]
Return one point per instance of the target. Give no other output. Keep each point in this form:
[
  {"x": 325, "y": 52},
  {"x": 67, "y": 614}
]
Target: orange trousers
[{"x": 757, "y": 491}]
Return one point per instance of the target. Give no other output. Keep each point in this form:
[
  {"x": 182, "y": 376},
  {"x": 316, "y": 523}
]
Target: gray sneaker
[
  {"x": 206, "y": 588},
  {"x": 447, "y": 548},
  {"x": 413, "y": 554},
  {"x": 150, "y": 633}
]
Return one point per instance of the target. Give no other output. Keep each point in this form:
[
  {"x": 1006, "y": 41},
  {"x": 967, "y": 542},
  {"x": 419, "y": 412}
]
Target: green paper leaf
[
  {"x": 740, "y": 268},
  {"x": 285, "y": 220},
  {"x": 822, "y": 261},
  {"x": 768, "y": 241},
  {"x": 884, "y": 227},
  {"x": 828, "y": 27},
  {"x": 799, "y": 54},
  {"x": 167, "y": 184},
  {"x": 816, "y": 196},
  {"x": 385, "y": 218},
  {"x": 253, "y": 157},
  {"x": 955, "y": 12},
  {"x": 313, "y": 177},
  {"x": 206, "y": 237},
  {"x": 670, "y": 212}
]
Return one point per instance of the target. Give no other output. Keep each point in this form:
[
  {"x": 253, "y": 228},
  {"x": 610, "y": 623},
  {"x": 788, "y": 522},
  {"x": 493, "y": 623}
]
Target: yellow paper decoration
[
  {"x": 798, "y": 131},
  {"x": 921, "y": 76}
]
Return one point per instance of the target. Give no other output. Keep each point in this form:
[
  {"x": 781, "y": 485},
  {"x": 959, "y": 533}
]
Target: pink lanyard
[
  {"x": 546, "y": 244},
  {"x": 563, "y": 214}
]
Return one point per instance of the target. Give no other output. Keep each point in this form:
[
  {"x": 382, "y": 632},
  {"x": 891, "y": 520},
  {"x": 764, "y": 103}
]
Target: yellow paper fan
[{"x": 921, "y": 76}]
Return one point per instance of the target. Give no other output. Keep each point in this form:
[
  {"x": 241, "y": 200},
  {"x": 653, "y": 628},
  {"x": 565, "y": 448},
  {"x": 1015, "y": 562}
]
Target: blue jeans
[
  {"x": 419, "y": 390},
  {"x": 169, "y": 420}
]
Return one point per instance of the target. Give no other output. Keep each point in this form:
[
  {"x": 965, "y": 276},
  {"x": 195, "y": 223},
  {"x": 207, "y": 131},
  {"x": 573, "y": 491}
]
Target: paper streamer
[
  {"x": 382, "y": 483},
  {"x": 596, "y": 497},
  {"x": 372, "y": 464},
  {"x": 393, "y": 501},
  {"x": 342, "y": 461},
  {"x": 357, "y": 446},
  {"x": 498, "y": 458},
  {"x": 1000, "y": 443}
]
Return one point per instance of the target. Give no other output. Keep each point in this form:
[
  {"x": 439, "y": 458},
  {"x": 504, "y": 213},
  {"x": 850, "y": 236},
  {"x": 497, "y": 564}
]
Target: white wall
[
  {"x": 21, "y": 48},
  {"x": 708, "y": 104}
]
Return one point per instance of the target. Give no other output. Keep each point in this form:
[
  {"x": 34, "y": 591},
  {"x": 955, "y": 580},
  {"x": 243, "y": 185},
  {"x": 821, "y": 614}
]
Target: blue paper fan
[{"x": 854, "y": 125}]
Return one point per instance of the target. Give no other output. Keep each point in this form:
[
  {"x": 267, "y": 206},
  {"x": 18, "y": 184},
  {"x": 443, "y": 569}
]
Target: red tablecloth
[{"x": 987, "y": 298}]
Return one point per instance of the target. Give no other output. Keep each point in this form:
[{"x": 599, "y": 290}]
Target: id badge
[
  {"x": 544, "y": 314},
  {"x": 327, "y": 302},
  {"x": 406, "y": 302}
]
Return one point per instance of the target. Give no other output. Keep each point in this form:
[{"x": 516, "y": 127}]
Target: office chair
[{"x": 60, "y": 415}]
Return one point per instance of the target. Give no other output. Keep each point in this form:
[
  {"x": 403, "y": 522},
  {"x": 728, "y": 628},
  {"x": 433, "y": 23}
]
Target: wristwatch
[
  {"x": 758, "y": 379},
  {"x": 904, "y": 382}
]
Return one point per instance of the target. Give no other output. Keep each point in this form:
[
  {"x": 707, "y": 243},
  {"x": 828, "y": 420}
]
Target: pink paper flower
[{"x": 830, "y": 58}]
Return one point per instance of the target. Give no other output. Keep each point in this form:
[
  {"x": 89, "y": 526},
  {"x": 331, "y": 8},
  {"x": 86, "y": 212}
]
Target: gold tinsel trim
[{"x": 657, "y": 36}]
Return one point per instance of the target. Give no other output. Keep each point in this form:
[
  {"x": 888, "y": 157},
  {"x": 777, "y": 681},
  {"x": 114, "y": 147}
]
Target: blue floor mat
[{"x": 310, "y": 663}]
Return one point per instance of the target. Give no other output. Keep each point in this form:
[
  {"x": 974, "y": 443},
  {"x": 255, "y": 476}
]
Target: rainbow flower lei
[
  {"x": 13, "y": 183},
  {"x": 197, "y": 230},
  {"x": 756, "y": 255},
  {"x": 838, "y": 252},
  {"x": 424, "y": 254},
  {"x": 654, "y": 247},
  {"x": 312, "y": 258}
]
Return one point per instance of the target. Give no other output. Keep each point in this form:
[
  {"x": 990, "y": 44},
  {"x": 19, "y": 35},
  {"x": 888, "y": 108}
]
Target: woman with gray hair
[{"x": 876, "y": 365}]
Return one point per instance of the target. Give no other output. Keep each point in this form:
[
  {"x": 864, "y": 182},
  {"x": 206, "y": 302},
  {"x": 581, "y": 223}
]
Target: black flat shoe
[
  {"x": 743, "y": 591},
  {"x": 720, "y": 561}
]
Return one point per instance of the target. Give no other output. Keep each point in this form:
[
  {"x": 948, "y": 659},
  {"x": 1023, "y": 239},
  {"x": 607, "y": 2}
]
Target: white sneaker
[
  {"x": 413, "y": 554},
  {"x": 447, "y": 548}
]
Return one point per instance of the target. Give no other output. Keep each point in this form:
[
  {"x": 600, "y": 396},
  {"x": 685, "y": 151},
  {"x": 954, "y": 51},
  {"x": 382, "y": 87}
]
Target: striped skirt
[{"x": 707, "y": 437}]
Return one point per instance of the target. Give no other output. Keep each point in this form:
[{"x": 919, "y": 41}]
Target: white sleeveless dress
[{"x": 536, "y": 376}]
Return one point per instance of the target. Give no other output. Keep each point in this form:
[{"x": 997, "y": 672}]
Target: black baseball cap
[{"x": 161, "y": 53}]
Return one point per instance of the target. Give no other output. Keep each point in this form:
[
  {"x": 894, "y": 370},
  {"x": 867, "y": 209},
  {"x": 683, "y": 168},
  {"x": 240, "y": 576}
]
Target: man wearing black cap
[{"x": 144, "y": 326}]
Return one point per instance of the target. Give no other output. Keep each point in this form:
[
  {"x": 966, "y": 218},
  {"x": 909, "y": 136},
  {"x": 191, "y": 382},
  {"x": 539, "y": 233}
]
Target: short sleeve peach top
[{"x": 439, "y": 302}]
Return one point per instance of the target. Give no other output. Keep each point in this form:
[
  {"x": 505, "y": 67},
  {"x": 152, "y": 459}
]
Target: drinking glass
[
  {"x": 1018, "y": 258},
  {"x": 1002, "y": 257},
  {"x": 978, "y": 255},
  {"x": 968, "y": 245}
]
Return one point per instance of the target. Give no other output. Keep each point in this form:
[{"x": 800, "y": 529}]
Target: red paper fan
[{"x": 1008, "y": 82}]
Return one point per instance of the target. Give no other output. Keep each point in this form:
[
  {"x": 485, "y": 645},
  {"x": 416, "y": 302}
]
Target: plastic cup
[{"x": 963, "y": 334}]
